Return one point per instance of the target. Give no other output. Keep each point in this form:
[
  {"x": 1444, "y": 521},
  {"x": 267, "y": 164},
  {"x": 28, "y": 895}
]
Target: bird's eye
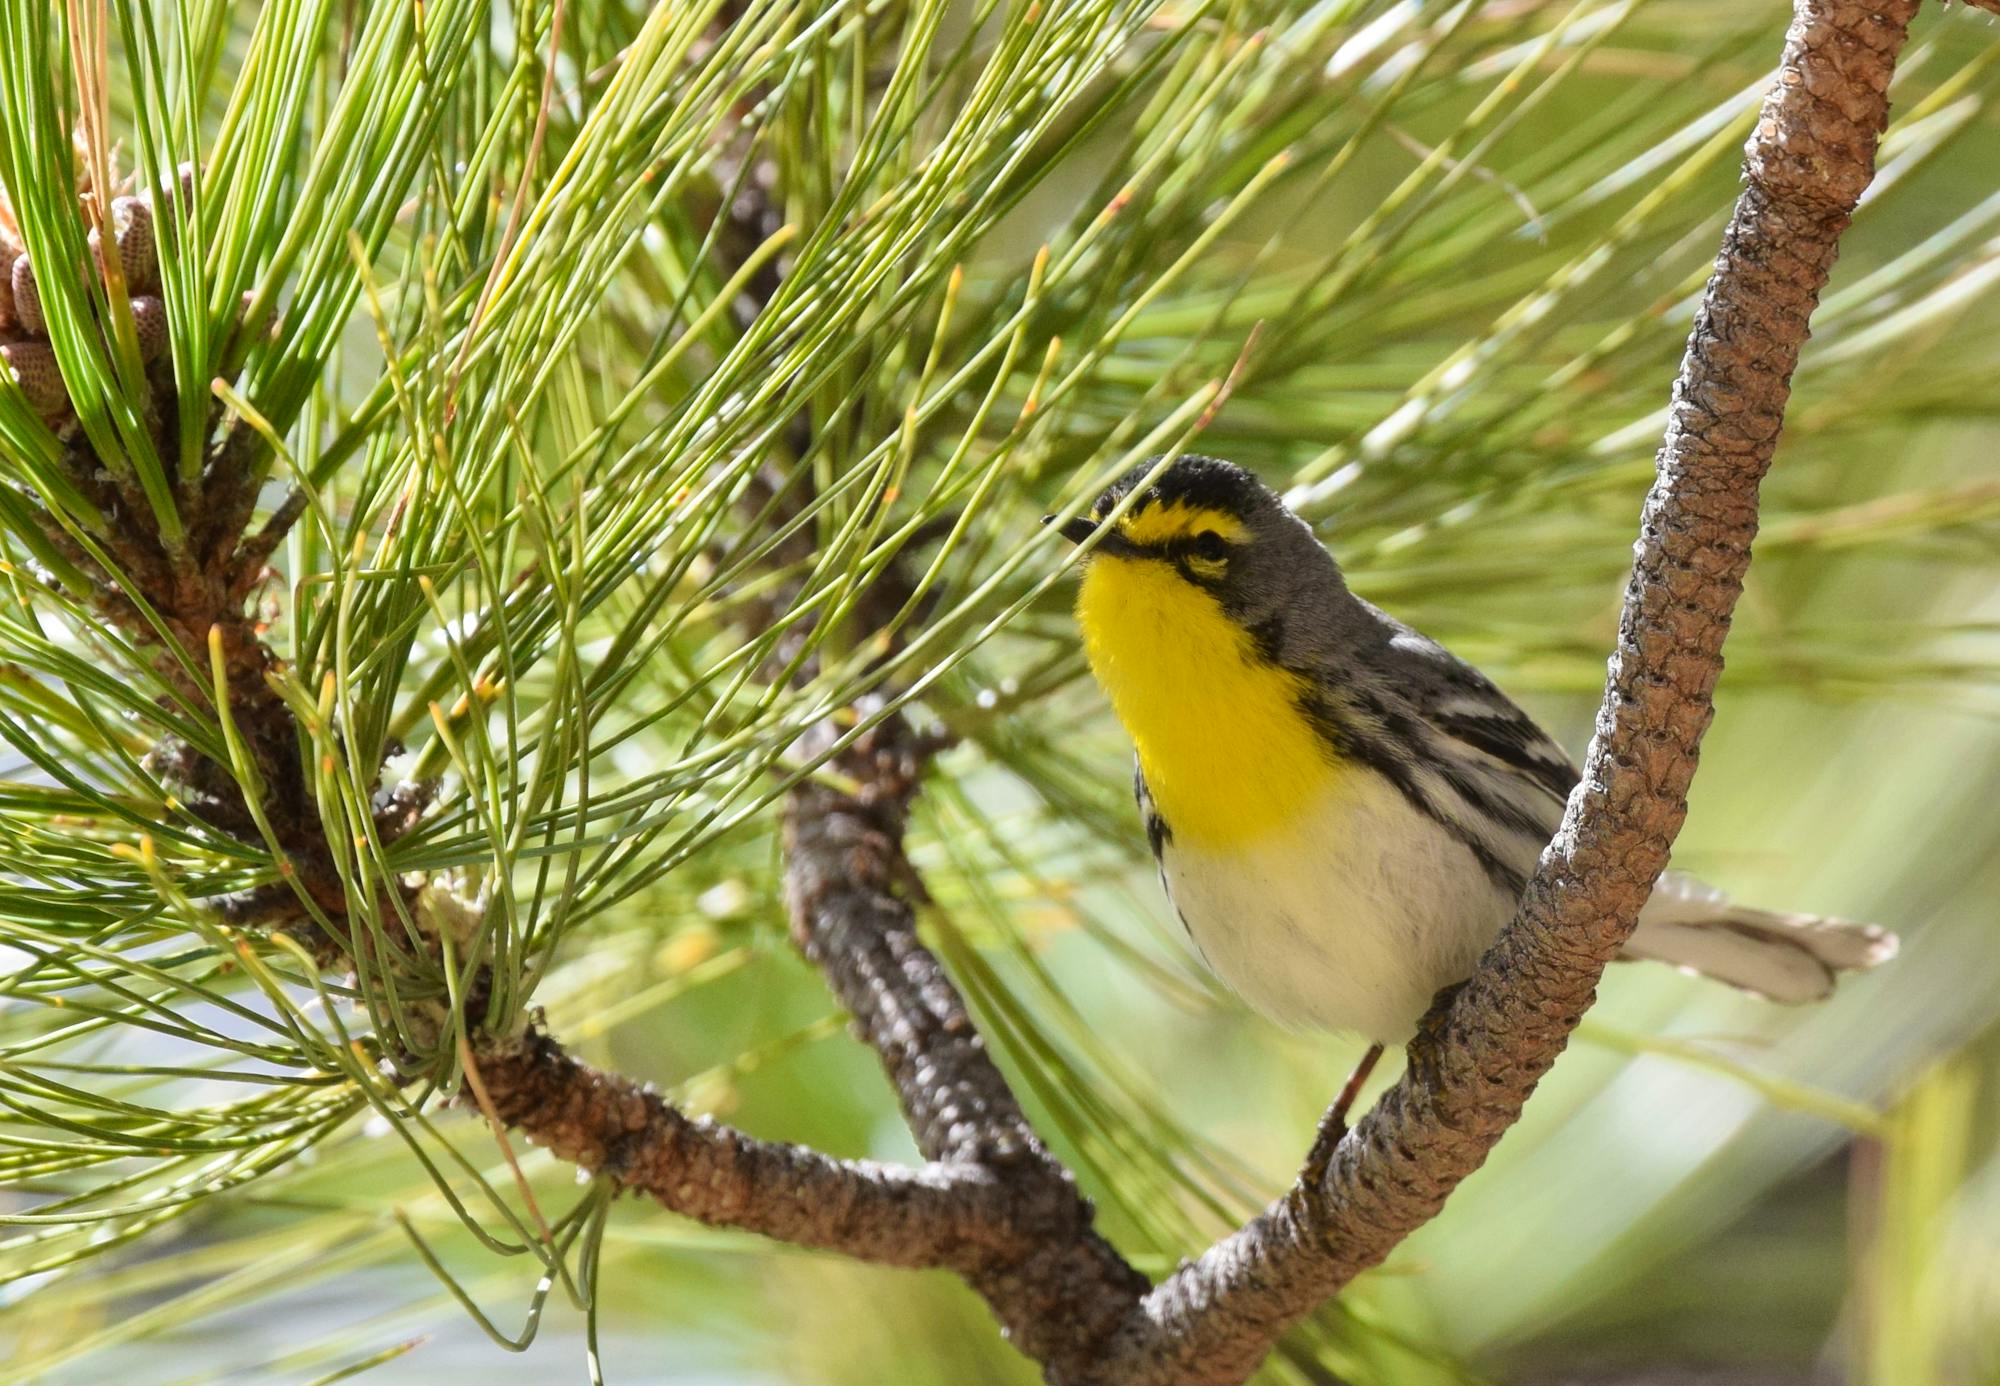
[{"x": 1211, "y": 546}]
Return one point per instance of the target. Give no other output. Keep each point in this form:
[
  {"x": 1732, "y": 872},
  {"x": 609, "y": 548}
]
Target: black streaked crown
[{"x": 1201, "y": 483}]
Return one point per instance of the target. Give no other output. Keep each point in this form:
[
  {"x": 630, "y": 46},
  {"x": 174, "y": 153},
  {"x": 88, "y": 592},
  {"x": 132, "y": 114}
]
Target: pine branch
[
  {"x": 991, "y": 1202},
  {"x": 941, "y": 1215},
  {"x": 846, "y": 883},
  {"x": 1066, "y": 1297}
]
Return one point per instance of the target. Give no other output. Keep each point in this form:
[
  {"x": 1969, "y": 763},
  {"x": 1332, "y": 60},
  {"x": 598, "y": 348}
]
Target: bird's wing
[{"x": 1479, "y": 721}]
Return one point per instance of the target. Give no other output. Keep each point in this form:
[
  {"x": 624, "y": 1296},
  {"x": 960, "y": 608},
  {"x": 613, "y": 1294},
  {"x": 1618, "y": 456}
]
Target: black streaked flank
[
  {"x": 1405, "y": 730},
  {"x": 1387, "y": 758},
  {"x": 1158, "y": 833},
  {"x": 1515, "y": 742}
]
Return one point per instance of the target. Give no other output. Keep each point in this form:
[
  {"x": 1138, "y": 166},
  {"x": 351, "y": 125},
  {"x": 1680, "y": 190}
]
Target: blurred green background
[{"x": 1463, "y": 379}]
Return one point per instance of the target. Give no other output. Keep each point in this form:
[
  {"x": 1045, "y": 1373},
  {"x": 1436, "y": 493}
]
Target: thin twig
[
  {"x": 937, "y": 1216},
  {"x": 846, "y": 883}
]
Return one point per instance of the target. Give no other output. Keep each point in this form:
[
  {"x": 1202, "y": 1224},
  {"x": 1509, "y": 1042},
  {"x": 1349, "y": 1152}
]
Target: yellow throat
[{"x": 1226, "y": 753}]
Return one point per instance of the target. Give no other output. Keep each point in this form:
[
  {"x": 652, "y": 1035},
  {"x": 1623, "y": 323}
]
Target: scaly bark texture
[
  {"x": 846, "y": 886},
  {"x": 993, "y": 1204},
  {"x": 1809, "y": 158},
  {"x": 929, "y": 1217}
]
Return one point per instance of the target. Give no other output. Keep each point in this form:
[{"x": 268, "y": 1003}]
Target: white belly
[{"x": 1352, "y": 920}]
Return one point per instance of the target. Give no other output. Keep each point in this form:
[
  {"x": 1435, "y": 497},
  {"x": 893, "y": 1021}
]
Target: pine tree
[{"x": 521, "y": 551}]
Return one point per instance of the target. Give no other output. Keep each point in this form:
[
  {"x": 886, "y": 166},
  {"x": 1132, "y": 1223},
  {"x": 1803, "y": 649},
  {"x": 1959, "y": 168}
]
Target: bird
[{"x": 1345, "y": 814}]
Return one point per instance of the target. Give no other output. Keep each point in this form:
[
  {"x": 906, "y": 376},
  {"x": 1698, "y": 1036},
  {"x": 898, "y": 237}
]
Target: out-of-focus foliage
[{"x": 554, "y": 345}]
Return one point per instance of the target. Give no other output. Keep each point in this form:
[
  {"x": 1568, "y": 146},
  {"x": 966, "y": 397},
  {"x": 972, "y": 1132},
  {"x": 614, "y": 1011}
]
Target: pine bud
[
  {"x": 132, "y": 221},
  {"x": 34, "y": 368},
  {"x": 149, "y": 316},
  {"x": 27, "y": 299}
]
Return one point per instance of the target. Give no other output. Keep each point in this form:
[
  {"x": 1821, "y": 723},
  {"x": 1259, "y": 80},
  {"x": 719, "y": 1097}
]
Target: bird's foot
[{"x": 1333, "y": 1126}]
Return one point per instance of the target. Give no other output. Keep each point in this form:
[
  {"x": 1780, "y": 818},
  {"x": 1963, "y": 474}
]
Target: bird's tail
[{"x": 1781, "y": 957}]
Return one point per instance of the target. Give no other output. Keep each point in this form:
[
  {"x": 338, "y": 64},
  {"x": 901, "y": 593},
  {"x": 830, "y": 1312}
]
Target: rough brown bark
[
  {"x": 846, "y": 883},
  {"x": 935, "y": 1216}
]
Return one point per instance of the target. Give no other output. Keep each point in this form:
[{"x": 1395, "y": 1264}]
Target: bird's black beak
[
  {"x": 1110, "y": 544},
  {"x": 1076, "y": 531}
]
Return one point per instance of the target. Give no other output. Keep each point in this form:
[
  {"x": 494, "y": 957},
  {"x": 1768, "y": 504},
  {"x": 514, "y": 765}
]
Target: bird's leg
[
  {"x": 1337, "y": 1114},
  {"x": 1333, "y": 1126},
  {"x": 1429, "y": 1039}
]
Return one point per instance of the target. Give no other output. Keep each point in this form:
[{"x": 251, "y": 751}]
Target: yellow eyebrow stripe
[{"x": 1157, "y": 524}]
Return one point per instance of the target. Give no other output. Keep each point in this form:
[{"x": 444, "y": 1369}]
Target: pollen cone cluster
[{"x": 24, "y": 332}]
